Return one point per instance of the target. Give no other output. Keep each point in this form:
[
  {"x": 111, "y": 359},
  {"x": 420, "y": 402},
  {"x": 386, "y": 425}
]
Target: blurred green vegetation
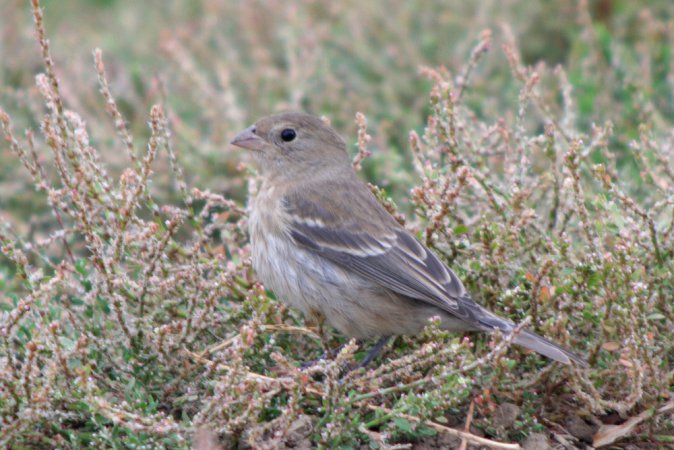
[
  {"x": 221, "y": 65},
  {"x": 577, "y": 233}
]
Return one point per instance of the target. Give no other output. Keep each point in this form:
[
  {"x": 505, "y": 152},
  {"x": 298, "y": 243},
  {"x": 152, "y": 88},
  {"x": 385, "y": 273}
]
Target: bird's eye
[{"x": 288, "y": 134}]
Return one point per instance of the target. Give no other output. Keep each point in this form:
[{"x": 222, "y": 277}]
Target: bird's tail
[
  {"x": 532, "y": 341},
  {"x": 545, "y": 347}
]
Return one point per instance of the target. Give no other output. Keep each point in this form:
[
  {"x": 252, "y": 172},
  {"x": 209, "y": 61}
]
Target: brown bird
[{"x": 324, "y": 244}]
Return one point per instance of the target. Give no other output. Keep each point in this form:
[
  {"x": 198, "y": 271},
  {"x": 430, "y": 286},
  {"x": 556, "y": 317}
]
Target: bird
[{"x": 322, "y": 242}]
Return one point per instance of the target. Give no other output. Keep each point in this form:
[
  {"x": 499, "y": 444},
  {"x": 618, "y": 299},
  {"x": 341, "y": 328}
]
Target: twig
[
  {"x": 498, "y": 350},
  {"x": 282, "y": 328},
  {"x": 608, "y": 434},
  {"x": 482, "y": 47},
  {"x": 466, "y": 428},
  {"x": 250, "y": 375},
  {"x": 461, "y": 434}
]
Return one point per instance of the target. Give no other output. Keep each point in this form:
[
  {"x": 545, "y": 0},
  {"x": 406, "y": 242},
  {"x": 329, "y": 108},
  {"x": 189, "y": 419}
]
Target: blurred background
[
  {"x": 219, "y": 65},
  {"x": 541, "y": 93}
]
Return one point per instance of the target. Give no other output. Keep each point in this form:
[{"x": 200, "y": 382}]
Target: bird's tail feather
[
  {"x": 531, "y": 340},
  {"x": 541, "y": 345}
]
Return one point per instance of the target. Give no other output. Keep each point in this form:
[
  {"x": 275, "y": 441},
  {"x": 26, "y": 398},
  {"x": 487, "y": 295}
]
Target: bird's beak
[{"x": 248, "y": 139}]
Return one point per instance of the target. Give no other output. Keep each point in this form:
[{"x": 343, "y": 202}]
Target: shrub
[{"x": 132, "y": 317}]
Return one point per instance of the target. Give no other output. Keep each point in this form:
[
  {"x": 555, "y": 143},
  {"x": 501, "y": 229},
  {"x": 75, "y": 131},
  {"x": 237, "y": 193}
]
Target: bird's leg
[
  {"x": 307, "y": 364},
  {"x": 376, "y": 349},
  {"x": 315, "y": 320},
  {"x": 374, "y": 352},
  {"x": 327, "y": 354}
]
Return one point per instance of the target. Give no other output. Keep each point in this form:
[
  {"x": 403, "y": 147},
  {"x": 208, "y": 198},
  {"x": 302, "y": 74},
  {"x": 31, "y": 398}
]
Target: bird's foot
[{"x": 374, "y": 352}]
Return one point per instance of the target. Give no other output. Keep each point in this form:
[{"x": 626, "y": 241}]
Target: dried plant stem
[
  {"x": 480, "y": 49},
  {"x": 31, "y": 163},
  {"x": 631, "y": 205},
  {"x": 271, "y": 328},
  {"x": 443, "y": 429},
  {"x": 466, "y": 428},
  {"x": 536, "y": 289},
  {"x": 251, "y": 375},
  {"x": 573, "y": 164},
  {"x": 363, "y": 140},
  {"x": 496, "y": 352},
  {"x": 49, "y": 66},
  {"x": 113, "y": 110}
]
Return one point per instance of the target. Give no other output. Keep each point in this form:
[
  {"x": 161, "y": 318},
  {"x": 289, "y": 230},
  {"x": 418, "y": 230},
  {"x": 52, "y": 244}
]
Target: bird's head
[{"x": 294, "y": 144}]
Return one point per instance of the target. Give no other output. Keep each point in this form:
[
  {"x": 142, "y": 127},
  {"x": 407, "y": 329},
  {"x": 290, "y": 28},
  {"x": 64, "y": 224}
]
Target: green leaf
[
  {"x": 67, "y": 343},
  {"x": 594, "y": 280},
  {"x": 655, "y": 316},
  {"x": 81, "y": 267},
  {"x": 425, "y": 431},
  {"x": 80, "y": 406},
  {"x": 103, "y": 305},
  {"x": 460, "y": 229},
  {"x": 403, "y": 424}
]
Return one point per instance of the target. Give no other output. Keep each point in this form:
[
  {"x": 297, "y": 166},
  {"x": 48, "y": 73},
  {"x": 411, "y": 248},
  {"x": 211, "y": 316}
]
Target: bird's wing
[{"x": 349, "y": 227}]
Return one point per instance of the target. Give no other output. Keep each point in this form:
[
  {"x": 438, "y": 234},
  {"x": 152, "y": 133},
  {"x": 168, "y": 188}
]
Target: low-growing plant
[{"x": 136, "y": 320}]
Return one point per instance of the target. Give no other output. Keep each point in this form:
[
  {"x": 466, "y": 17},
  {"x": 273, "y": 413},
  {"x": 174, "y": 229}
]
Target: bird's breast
[{"x": 271, "y": 245}]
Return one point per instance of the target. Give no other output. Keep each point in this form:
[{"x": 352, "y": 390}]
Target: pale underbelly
[{"x": 355, "y": 306}]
